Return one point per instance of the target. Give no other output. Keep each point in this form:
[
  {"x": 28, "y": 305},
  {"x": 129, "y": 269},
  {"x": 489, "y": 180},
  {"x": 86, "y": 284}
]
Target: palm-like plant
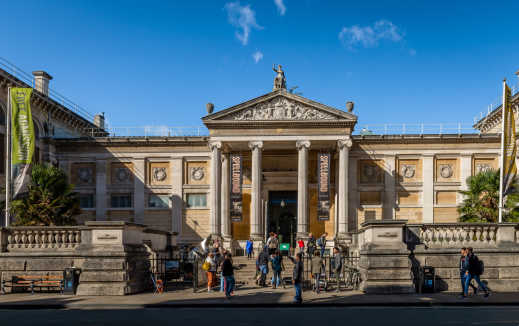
[
  {"x": 49, "y": 200},
  {"x": 481, "y": 203}
]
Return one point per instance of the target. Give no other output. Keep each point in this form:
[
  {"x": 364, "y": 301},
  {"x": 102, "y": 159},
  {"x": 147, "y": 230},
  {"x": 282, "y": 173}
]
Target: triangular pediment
[{"x": 279, "y": 106}]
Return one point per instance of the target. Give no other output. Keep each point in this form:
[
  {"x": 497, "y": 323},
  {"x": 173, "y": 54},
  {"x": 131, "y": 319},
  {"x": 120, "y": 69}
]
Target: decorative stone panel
[
  {"x": 446, "y": 197},
  {"x": 197, "y": 173},
  {"x": 371, "y": 172},
  {"x": 484, "y": 164},
  {"x": 83, "y": 174},
  {"x": 121, "y": 173},
  {"x": 408, "y": 198},
  {"x": 409, "y": 170},
  {"x": 447, "y": 170},
  {"x": 158, "y": 173}
]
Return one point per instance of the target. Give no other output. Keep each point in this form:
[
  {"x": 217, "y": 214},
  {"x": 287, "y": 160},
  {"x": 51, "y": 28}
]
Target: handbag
[{"x": 206, "y": 266}]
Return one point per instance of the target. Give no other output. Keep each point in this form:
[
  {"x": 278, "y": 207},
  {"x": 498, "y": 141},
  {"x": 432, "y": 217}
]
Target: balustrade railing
[
  {"x": 43, "y": 238},
  {"x": 458, "y": 235}
]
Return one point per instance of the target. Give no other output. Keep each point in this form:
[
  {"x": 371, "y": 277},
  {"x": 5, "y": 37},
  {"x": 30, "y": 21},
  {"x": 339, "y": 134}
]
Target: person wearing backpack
[
  {"x": 310, "y": 246},
  {"x": 277, "y": 267},
  {"x": 321, "y": 242},
  {"x": 263, "y": 261},
  {"x": 474, "y": 270},
  {"x": 464, "y": 263}
]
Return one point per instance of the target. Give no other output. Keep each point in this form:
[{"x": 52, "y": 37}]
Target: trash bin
[
  {"x": 70, "y": 280},
  {"x": 428, "y": 285}
]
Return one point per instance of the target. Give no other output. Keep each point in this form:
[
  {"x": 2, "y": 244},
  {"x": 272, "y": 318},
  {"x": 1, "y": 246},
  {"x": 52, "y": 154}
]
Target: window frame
[
  {"x": 195, "y": 194},
  {"x": 150, "y": 195},
  {"x": 121, "y": 194}
]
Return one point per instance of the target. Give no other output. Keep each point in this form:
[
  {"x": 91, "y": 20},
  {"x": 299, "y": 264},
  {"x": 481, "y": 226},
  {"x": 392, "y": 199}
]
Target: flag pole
[
  {"x": 8, "y": 175},
  {"x": 502, "y": 160}
]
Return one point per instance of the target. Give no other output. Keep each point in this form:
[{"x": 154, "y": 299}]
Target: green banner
[{"x": 22, "y": 126}]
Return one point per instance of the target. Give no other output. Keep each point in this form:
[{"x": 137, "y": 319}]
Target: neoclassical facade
[{"x": 183, "y": 184}]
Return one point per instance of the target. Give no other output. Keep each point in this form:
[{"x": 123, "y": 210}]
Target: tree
[
  {"x": 49, "y": 200},
  {"x": 481, "y": 203}
]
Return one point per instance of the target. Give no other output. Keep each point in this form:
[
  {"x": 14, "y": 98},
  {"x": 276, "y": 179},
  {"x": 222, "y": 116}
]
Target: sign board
[
  {"x": 236, "y": 187},
  {"x": 323, "y": 186}
]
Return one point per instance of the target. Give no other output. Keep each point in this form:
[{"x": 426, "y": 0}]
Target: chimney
[
  {"x": 99, "y": 120},
  {"x": 41, "y": 81}
]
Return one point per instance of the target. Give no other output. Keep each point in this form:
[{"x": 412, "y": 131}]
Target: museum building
[{"x": 279, "y": 162}]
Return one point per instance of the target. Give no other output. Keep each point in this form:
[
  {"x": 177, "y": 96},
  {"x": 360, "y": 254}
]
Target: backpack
[
  {"x": 320, "y": 242},
  {"x": 479, "y": 266}
]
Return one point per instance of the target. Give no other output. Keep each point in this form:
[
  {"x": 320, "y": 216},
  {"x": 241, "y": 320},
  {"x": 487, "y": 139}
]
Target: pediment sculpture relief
[{"x": 281, "y": 108}]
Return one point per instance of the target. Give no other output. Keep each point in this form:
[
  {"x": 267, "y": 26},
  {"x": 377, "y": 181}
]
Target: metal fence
[
  {"x": 414, "y": 129},
  {"x": 175, "y": 272},
  {"x": 149, "y": 131}
]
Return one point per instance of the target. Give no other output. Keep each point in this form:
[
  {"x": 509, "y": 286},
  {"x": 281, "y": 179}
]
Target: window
[
  {"x": 121, "y": 201},
  {"x": 158, "y": 201},
  {"x": 196, "y": 200},
  {"x": 86, "y": 201}
]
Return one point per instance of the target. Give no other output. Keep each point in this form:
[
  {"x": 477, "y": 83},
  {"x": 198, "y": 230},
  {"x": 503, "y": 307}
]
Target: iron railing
[
  {"x": 149, "y": 131},
  {"x": 415, "y": 129}
]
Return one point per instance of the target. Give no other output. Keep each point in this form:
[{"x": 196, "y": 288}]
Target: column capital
[
  {"x": 255, "y": 144},
  {"x": 215, "y": 144},
  {"x": 341, "y": 143},
  {"x": 300, "y": 144}
]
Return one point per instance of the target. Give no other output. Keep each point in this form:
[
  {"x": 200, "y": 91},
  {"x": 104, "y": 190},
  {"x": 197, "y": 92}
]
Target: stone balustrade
[
  {"x": 41, "y": 238},
  {"x": 458, "y": 235}
]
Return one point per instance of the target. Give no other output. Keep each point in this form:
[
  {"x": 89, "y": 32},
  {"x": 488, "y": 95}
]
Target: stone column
[
  {"x": 226, "y": 218},
  {"x": 389, "y": 188},
  {"x": 101, "y": 195},
  {"x": 344, "y": 151},
  {"x": 428, "y": 188},
  {"x": 354, "y": 195},
  {"x": 216, "y": 184},
  {"x": 139, "y": 180},
  {"x": 256, "y": 225},
  {"x": 466, "y": 171},
  {"x": 177, "y": 203},
  {"x": 302, "y": 188}
]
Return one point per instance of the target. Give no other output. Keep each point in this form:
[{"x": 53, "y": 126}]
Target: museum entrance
[{"x": 282, "y": 215}]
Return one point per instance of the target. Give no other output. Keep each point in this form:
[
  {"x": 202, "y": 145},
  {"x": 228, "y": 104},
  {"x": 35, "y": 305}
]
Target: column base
[{"x": 302, "y": 235}]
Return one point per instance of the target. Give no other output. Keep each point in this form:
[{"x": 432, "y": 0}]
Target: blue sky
[{"x": 160, "y": 62}]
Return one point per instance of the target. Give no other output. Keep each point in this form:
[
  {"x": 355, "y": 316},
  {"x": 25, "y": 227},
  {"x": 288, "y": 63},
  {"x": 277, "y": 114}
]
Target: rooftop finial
[{"x": 280, "y": 82}]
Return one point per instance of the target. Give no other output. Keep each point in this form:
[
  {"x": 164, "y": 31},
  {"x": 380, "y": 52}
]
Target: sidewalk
[{"x": 244, "y": 297}]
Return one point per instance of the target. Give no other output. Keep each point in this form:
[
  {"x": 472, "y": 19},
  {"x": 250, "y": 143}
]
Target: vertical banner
[
  {"x": 236, "y": 187},
  {"x": 22, "y": 138},
  {"x": 509, "y": 143},
  {"x": 323, "y": 186}
]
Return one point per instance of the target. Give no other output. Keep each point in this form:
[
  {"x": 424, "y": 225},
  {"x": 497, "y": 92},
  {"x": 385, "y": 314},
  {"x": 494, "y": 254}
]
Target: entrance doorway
[{"x": 282, "y": 215}]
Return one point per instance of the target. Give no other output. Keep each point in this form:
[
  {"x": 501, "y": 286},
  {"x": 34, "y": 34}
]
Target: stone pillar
[
  {"x": 102, "y": 197},
  {"x": 177, "y": 203},
  {"x": 226, "y": 218},
  {"x": 302, "y": 188},
  {"x": 256, "y": 224},
  {"x": 139, "y": 180},
  {"x": 466, "y": 171},
  {"x": 354, "y": 195},
  {"x": 216, "y": 183},
  {"x": 389, "y": 188},
  {"x": 344, "y": 149},
  {"x": 428, "y": 188}
]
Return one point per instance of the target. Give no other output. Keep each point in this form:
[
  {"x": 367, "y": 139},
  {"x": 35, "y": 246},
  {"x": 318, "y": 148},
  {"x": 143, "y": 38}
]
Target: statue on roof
[{"x": 280, "y": 81}]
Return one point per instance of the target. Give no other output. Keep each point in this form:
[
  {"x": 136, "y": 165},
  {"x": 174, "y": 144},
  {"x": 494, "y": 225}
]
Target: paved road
[{"x": 283, "y": 316}]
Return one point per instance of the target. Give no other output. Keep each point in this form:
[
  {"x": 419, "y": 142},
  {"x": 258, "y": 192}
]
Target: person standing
[
  {"x": 263, "y": 261},
  {"x": 297, "y": 277},
  {"x": 474, "y": 271},
  {"x": 228, "y": 274},
  {"x": 321, "y": 242},
  {"x": 317, "y": 268},
  {"x": 249, "y": 248},
  {"x": 273, "y": 244},
  {"x": 301, "y": 246},
  {"x": 211, "y": 271},
  {"x": 310, "y": 247},
  {"x": 337, "y": 266},
  {"x": 277, "y": 267}
]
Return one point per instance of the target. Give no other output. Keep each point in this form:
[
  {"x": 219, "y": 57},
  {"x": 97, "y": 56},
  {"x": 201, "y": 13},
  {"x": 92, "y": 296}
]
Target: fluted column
[
  {"x": 226, "y": 219},
  {"x": 216, "y": 183},
  {"x": 255, "y": 219},
  {"x": 344, "y": 151},
  {"x": 302, "y": 188}
]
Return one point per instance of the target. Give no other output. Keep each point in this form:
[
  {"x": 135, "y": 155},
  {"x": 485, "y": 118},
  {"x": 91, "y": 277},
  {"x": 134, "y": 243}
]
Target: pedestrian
[
  {"x": 211, "y": 271},
  {"x": 317, "y": 268},
  {"x": 464, "y": 263},
  {"x": 297, "y": 277},
  {"x": 205, "y": 245},
  {"x": 321, "y": 242},
  {"x": 277, "y": 266},
  {"x": 228, "y": 274},
  {"x": 219, "y": 262},
  {"x": 263, "y": 261},
  {"x": 301, "y": 246},
  {"x": 273, "y": 244},
  {"x": 249, "y": 248},
  {"x": 337, "y": 266},
  {"x": 474, "y": 270},
  {"x": 310, "y": 247}
]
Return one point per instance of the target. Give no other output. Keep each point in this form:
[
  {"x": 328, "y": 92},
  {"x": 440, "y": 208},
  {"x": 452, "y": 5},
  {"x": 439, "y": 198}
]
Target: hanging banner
[
  {"x": 22, "y": 138},
  {"x": 509, "y": 143},
  {"x": 236, "y": 187},
  {"x": 323, "y": 186}
]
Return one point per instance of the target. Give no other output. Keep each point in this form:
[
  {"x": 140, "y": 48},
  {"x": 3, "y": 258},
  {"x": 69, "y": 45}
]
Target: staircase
[{"x": 246, "y": 270}]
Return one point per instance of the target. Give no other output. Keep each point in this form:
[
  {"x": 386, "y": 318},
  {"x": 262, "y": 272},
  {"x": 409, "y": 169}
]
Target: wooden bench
[{"x": 33, "y": 282}]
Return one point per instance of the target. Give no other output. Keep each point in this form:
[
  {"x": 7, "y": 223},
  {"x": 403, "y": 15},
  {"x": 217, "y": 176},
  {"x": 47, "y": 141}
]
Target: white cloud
[
  {"x": 242, "y": 17},
  {"x": 257, "y": 56},
  {"x": 370, "y": 36},
  {"x": 281, "y": 7}
]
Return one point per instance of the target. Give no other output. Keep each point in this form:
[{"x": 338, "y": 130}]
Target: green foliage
[
  {"x": 481, "y": 202},
  {"x": 49, "y": 201}
]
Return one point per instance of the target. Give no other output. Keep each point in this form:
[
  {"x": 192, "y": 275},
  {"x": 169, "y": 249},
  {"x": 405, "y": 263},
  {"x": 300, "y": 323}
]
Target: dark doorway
[{"x": 282, "y": 215}]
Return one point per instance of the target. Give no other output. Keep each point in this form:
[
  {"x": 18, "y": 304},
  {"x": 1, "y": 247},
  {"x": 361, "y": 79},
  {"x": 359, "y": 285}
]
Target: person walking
[
  {"x": 219, "y": 261},
  {"x": 301, "y": 246},
  {"x": 317, "y": 268},
  {"x": 211, "y": 271},
  {"x": 474, "y": 271},
  {"x": 310, "y": 245},
  {"x": 277, "y": 266},
  {"x": 263, "y": 261},
  {"x": 228, "y": 274},
  {"x": 337, "y": 266},
  {"x": 249, "y": 248},
  {"x": 464, "y": 263},
  {"x": 297, "y": 277},
  {"x": 321, "y": 242}
]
